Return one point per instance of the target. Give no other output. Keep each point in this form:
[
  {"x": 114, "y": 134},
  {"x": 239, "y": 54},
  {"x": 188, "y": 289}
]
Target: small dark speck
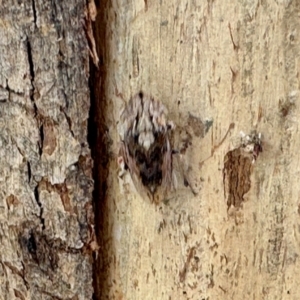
[
  {"x": 164, "y": 23},
  {"x": 184, "y": 292},
  {"x": 31, "y": 245},
  {"x": 181, "y": 42},
  {"x": 208, "y": 124},
  {"x": 178, "y": 102},
  {"x": 185, "y": 182}
]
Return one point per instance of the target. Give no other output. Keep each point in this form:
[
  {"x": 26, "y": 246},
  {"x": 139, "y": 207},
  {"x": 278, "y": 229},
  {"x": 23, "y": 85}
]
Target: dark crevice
[
  {"x": 92, "y": 125},
  {"x": 30, "y": 60},
  {"x": 41, "y": 144},
  {"x": 31, "y": 244},
  {"x": 34, "y": 12},
  {"x": 39, "y": 203},
  {"x": 29, "y": 171},
  {"x": 8, "y": 89},
  {"x": 32, "y": 75},
  {"x": 99, "y": 144}
]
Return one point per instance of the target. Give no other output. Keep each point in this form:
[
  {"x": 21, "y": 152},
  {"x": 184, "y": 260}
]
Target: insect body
[
  {"x": 145, "y": 147},
  {"x": 252, "y": 144}
]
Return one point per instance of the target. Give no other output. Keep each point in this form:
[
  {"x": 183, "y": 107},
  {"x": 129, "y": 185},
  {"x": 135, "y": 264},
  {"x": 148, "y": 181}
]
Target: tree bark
[
  {"x": 221, "y": 67},
  {"x": 46, "y": 184}
]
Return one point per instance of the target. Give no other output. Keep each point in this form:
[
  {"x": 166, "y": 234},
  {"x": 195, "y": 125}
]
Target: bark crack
[
  {"x": 69, "y": 121},
  {"x": 39, "y": 203},
  {"x": 41, "y": 143},
  {"x": 29, "y": 171},
  {"x": 32, "y": 75},
  {"x": 34, "y": 12},
  {"x": 11, "y": 91}
]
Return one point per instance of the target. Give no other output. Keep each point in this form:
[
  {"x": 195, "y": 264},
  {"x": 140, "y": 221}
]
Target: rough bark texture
[
  {"x": 233, "y": 65},
  {"x": 46, "y": 217}
]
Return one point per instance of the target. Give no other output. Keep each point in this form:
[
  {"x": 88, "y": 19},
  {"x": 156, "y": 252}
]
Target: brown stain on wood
[
  {"x": 236, "y": 177},
  {"x": 11, "y": 201},
  {"x": 182, "y": 273}
]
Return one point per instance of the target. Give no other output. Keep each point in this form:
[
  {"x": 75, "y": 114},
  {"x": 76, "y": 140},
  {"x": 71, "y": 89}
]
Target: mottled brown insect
[
  {"x": 251, "y": 143},
  {"x": 145, "y": 147}
]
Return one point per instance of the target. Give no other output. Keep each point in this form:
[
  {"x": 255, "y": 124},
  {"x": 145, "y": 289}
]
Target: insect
[
  {"x": 252, "y": 144},
  {"x": 145, "y": 146}
]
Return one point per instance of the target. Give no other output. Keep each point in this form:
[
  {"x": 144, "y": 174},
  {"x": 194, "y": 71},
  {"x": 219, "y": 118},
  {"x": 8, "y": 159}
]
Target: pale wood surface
[{"x": 230, "y": 62}]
